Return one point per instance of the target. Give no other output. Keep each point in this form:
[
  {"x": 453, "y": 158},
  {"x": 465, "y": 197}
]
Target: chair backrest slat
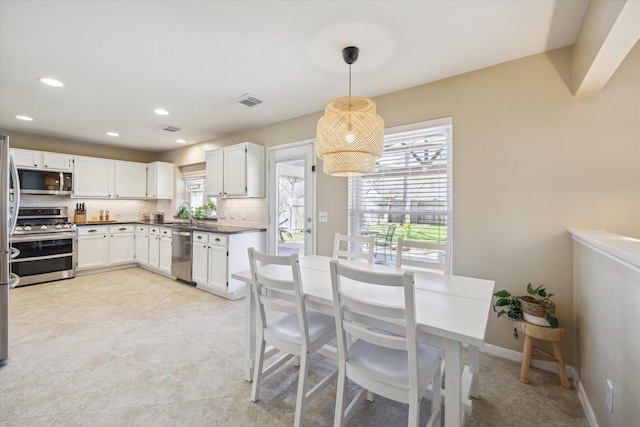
[
  {"x": 430, "y": 256},
  {"x": 352, "y": 244},
  {"x": 389, "y": 325},
  {"x": 277, "y": 294}
]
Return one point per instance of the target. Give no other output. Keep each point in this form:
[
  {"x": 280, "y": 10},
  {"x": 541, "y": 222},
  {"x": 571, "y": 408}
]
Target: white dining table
[{"x": 451, "y": 311}]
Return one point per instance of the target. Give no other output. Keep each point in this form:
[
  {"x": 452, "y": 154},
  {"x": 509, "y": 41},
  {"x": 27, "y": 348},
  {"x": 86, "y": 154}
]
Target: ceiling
[{"x": 121, "y": 60}]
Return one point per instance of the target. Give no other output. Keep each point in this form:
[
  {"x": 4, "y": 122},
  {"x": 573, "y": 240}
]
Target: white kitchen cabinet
[
  {"x": 236, "y": 171},
  {"x": 142, "y": 244},
  {"x": 103, "y": 246},
  {"x": 160, "y": 248},
  {"x": 122, "y": 244},
  {"x": 165, "y": 250},
  {"x": 217, "y": 256},
  {"x": 93, "y": 247},
  {"x": 31, "y": 159},
  {"x": 130, "y": 180},
  {"x": 200, "y": 258},
  {"x": 215, "y": 173},
  {"x": 160, "y": 180},
  {"x": 93, "y": 177}
]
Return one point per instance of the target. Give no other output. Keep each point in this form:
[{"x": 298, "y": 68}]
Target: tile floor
[{"x": 131, "y": 347}]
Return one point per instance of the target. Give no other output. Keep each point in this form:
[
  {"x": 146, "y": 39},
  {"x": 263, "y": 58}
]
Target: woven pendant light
[{"x": 350, "y": 135}]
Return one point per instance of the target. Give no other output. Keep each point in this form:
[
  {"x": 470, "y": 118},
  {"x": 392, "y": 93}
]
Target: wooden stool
[{"x": 554, "y": 335}]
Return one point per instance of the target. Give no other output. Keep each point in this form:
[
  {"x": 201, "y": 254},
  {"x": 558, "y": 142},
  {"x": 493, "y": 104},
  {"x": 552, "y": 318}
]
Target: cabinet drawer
[
  {"x": 165, "y": 232},
  {"x": 200, "y": 237},
  {"x": 142, "y": 228},
  {"x": 154, "y": 231},
  {"x": 218, "y": 239},
  {"x": 90, "y": 231},
  {"x": 124, "y": 228}
]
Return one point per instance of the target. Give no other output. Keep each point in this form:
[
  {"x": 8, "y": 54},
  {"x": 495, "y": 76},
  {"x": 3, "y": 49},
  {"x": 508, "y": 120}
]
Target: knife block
[{"x": 80, "y": 218}]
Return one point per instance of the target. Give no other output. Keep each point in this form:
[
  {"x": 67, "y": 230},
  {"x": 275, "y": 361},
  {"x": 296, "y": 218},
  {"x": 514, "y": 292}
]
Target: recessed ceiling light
[
  {"x": 113, "y": 134},
  {"x": 25, "y": 118},
  {"x": 51, "y": 82},
  {"x": 181, "y": 141},
  {"x": 161, "y": 111}
]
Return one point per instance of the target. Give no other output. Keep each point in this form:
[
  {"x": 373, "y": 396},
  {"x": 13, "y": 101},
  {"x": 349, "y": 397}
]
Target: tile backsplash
[{"x": 234, "y": 212}]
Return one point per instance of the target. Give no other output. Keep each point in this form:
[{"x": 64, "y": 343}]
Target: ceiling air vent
[
  {"x": 248, "y": 100},
  {"x": 170, "y": 128}
]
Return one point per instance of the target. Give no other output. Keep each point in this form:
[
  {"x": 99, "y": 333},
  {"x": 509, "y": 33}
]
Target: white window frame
[{"x": 391, "y": 134}]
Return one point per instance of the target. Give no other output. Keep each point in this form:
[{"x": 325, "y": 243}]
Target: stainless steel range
[{"x": 47, "y": 243}]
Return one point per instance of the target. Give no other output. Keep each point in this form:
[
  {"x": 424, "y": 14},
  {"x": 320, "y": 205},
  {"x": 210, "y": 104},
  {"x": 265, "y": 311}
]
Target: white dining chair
[
  {"x": 427, "y": 255},
  {"x": 346, "y": 247},
  {"x": 285, "y": 324},
  {"x": 434, "y": 257},
  {"x": 385, "y": 358}
]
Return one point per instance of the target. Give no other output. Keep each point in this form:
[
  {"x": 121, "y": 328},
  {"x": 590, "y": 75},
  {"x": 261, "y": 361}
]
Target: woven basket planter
[{"x": 536, "y": 308}]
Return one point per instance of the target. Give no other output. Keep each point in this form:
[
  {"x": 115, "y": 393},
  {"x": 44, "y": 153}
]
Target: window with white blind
[{"x": 409, "y": 194}]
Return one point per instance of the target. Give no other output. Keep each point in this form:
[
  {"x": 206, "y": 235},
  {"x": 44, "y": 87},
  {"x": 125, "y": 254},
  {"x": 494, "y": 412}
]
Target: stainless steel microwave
[{"x": 45, "y": 182}]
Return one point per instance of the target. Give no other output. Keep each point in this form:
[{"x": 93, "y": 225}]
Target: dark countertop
[{"x": 223, "y": 229}]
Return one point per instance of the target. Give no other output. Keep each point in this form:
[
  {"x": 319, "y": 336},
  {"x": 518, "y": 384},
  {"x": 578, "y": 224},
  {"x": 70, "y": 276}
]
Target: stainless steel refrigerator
[{"x": 9, "y": 203}]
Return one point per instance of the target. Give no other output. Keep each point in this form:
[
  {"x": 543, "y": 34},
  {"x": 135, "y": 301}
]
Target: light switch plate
[{"x": 323, "y": 216}]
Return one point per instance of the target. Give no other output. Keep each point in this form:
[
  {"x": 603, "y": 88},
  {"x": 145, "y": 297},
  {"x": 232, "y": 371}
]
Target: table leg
[
  {"x": 453, "y": 383},
  {"x": 249, "y": 334},
  {"x": 474, "y": 368}
]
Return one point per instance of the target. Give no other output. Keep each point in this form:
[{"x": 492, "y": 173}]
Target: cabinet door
[
  {"x": 93, "y": 251},
  {"x": 235, "y": 170},
  {"x": 130, "y": 180},
  {"x": 55, "y": 161},
  {"x": 121, "y": 248},
  {"x": 218, "y": 266},
  {"x": 199, "y": 262},
  {"x": 160, "y": 180},
  {"x": 165, "y": 253},
  {"x": 26, "y": 158},
  {"x": 215, "y": 173},
  {"x": 142, "y": 248},
  {"x": 92, "y": 177},
  {"x": 154, "y": 251}
]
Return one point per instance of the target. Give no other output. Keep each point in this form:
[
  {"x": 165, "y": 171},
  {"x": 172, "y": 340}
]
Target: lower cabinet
[
  {"x": 104, "y": 245},
  {"x": 142, "y": 244},
  {"x": 160, "y": 248},
  {"x": 216, "y": 256}
]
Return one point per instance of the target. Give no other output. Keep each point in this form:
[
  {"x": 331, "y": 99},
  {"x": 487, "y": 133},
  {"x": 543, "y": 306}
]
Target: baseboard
[{"x": 516, "y": 356}]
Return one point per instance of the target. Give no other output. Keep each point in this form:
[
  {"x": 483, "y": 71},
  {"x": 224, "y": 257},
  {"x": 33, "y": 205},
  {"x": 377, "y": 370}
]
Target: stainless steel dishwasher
[{"x": 181, "y": 255}]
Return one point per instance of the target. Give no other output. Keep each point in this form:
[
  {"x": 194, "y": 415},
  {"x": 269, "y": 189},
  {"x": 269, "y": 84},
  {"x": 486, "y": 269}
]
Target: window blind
[{"x": 410, "y": 187}]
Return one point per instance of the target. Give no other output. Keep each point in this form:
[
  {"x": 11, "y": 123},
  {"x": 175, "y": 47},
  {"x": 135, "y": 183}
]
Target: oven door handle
[
  {"x": 41, "y": 237},
  {"x": 14, "y": 252},
  {"x": 40, "y": 258}
]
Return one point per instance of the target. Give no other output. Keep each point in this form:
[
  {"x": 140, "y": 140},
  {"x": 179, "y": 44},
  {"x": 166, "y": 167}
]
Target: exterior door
[{"x": 291, "y": 191}]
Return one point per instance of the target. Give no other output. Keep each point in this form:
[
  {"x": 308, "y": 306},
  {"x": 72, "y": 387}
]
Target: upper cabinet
[
  {"x": 130, "y": 180},
  {"x": 93, "y": 177},
  {"x": 236, "y": 171},
  {"x": 105, "y": 178},
  {"x": 160, "y": 180},
  {"x": 30, "y": 159}
]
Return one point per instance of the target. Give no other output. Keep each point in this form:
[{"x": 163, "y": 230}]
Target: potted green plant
[{"x": 536, "y": 307}]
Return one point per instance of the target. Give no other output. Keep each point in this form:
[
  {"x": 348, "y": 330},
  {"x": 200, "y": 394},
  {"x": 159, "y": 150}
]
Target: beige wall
[
  {"x": 31, "y": 141},
  {"x": 530, "y": 162}
]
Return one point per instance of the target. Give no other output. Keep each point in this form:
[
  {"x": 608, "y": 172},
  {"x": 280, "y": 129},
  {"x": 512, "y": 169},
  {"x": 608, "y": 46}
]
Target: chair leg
[
  {"x": 301, "y": 399},
  {"x": 257, "y": 372},
  {"x": 436, "y": 398},
  {"x": 562, "y": 372},
  {"x": 526, "y": 359},
  {"x": 341, "y": 398},
  {"x": 414, "y": 413}
]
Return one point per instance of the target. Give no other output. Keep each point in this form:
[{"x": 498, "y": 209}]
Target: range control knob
[
  {"x": 27, "y": 228},
  {"x": 58, "y": 227},
  {"x": 18, "y": 229},
  {"x": 43, "y": 227}
]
